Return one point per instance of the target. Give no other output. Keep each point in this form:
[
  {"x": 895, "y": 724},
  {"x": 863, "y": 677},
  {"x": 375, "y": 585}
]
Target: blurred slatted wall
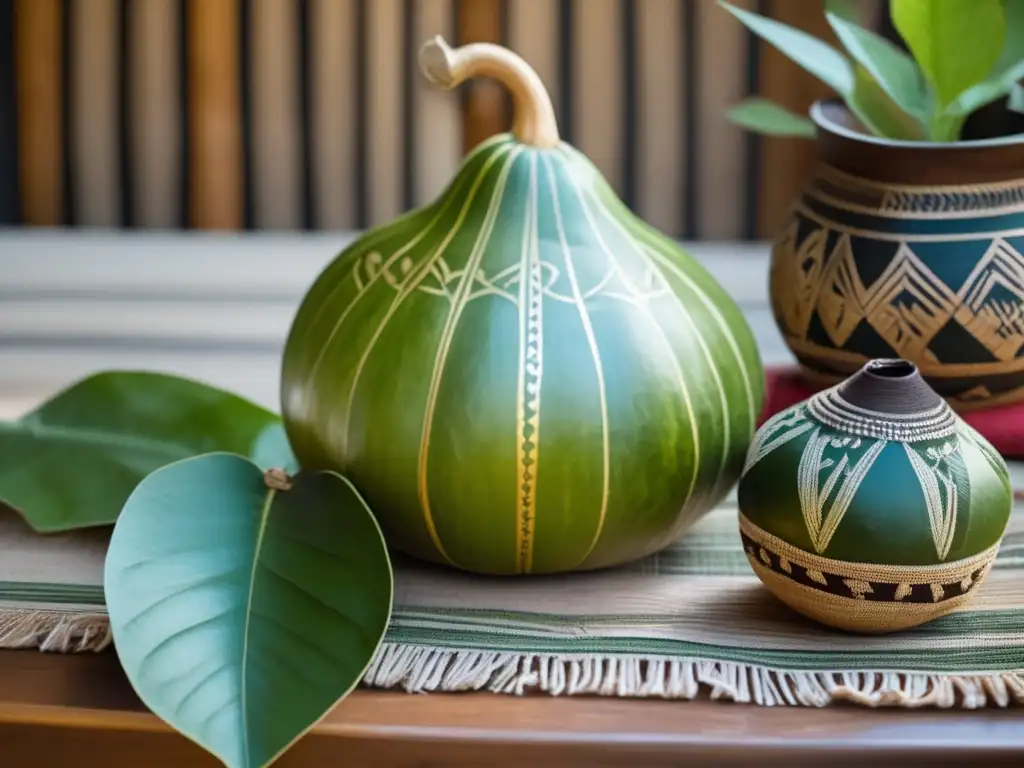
[{"x": 310, "y": 114}]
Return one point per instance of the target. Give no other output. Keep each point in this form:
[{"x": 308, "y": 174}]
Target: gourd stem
[{"x": 533, "y": 115}]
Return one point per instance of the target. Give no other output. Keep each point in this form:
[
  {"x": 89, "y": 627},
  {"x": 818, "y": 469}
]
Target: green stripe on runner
[{"x": 908, "y": 660}]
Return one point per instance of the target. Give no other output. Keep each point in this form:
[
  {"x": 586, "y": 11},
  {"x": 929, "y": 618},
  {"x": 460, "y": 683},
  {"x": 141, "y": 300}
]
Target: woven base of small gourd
[{"x": 861, "y": 597}]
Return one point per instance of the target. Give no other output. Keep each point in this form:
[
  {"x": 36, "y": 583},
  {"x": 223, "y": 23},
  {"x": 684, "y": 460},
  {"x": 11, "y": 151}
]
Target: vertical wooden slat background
[
  {"x": 484, "y": 103},
  {"x": 95, "y": 127},
  {"x": 9, "y": 212},
  {"x": 287, "y": 114},
  {"x": 215, "y": 125},
  {"x": 38, "y": 63},
  {"x": 154, "y": 124}
]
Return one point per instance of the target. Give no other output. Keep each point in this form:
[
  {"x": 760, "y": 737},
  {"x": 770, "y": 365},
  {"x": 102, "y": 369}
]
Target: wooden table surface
[{"x": 79, "y": 710}]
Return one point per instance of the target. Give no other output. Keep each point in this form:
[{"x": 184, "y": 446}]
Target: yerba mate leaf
[{"x": 242, "y": 613}]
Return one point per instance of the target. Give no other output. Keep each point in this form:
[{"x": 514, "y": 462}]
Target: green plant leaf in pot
[
  {"x": 816, "y": 56},
  {"x": 244, "y": 605},
  {"x": 1004, "y": 78},
  {"x": 72, "y": 462},
  {"x": 894, "y": 71},
  {"x": 882, "y": 116},
  {"x": 767, "y": 117},
  {"x": 955, "y": 42}
]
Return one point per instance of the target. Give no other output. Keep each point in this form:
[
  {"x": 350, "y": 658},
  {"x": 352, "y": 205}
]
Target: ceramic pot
[
  {"x": 872, "y": 506},
  {"x": 909, "y": 250}
]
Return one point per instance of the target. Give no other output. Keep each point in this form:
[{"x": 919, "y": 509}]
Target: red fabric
[{"x": 1003, "y": 426}]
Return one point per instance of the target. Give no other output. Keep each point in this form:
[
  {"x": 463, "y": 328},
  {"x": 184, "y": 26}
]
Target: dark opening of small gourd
[{"x": 892, "y": 369}]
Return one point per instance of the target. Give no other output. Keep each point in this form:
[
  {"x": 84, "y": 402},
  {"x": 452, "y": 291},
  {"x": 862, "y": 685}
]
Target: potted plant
[{"x": 908, "y": 240}]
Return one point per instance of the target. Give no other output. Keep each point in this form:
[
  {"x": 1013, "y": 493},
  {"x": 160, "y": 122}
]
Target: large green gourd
[{"x": 522, "y": 376}]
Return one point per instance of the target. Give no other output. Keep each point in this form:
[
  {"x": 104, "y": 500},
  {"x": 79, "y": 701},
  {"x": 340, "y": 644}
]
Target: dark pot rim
[
  {"x": 819, "y": 115},
  {"x": 840, "y": 145}
]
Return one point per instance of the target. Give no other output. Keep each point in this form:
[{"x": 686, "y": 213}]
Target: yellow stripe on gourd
[
  {"x": 458, "y": 304},
  {"x": 588, "y": 330}
]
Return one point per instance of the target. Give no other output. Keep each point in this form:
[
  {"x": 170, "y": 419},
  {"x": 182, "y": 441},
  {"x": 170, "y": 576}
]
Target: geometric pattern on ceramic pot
[
  {"x": 872, "y": 490},
  {"x": 929, "y": 274}
]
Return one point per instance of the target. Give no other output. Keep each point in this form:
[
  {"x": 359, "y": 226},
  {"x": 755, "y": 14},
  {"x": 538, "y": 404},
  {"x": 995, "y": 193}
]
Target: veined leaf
[
  {"x": 893, "y": 70},
  {"x": 955, "y": 42},
  {"x": 816, "y": 56},
  {"x": 767, "y": 117},
  {"x": 242, "y": 614},
  {"x": 72, "y": 462}
]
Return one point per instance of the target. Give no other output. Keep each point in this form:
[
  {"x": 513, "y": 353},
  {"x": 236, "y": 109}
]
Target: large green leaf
[
  {"x": 767, "y": 117},
  {"x": 893, "y": 70},
  {"x": 956, "y": 42},
  {"x": 816, "y": 56},
  {"x": 72, "y": 462},
  {"x": 242, "y": 614}
]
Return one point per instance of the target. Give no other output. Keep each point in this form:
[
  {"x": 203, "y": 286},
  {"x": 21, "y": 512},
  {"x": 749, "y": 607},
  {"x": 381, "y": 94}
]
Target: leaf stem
[{"x": 277, "y": 480}]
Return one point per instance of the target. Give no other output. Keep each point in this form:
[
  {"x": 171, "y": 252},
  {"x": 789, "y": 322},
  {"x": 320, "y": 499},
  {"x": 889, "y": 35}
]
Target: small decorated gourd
[
  {"x": 522, "y": 376},
  {"x": 872, "y": 506}
]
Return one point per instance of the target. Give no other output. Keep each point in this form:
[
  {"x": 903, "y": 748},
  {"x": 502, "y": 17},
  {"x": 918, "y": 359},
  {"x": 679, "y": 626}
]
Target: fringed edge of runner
[
  {"x": 423, "y": 669},
  {"x": 420, "y": 669},
  {"x": 54, "y": 631}
]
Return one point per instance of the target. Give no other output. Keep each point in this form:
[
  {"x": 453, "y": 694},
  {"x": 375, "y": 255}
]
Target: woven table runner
[{"x": 688, "y": 621}]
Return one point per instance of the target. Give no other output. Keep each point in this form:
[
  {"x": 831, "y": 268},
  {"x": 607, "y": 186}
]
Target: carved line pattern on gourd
[
  {"x": 501, "y": 284},
  {"x": 907, "y": 305},
  {"x": 821, "y": 522},
  {"x": 458, "y": 305},
  {"x": 636, "y": 236},
  {"x": 990, "y": 454},
  {"x": 649, "y": 246},
  {"x": 937, "y": 480},
  {"x": 528, "y": 388},
  {"x": 939, "y": 486},
  {"x": 372, "y": 241},
  {"x": 656, "y": 256},
  {"x": 775, "y": 432},
  {"x": 641, "y": 298},
  {"x": 592, "y": 343},
  {"x": 438, "y": 252}
]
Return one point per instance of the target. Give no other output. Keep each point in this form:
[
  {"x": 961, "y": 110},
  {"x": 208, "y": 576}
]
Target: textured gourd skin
[{"x": 523, "y": 376}]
